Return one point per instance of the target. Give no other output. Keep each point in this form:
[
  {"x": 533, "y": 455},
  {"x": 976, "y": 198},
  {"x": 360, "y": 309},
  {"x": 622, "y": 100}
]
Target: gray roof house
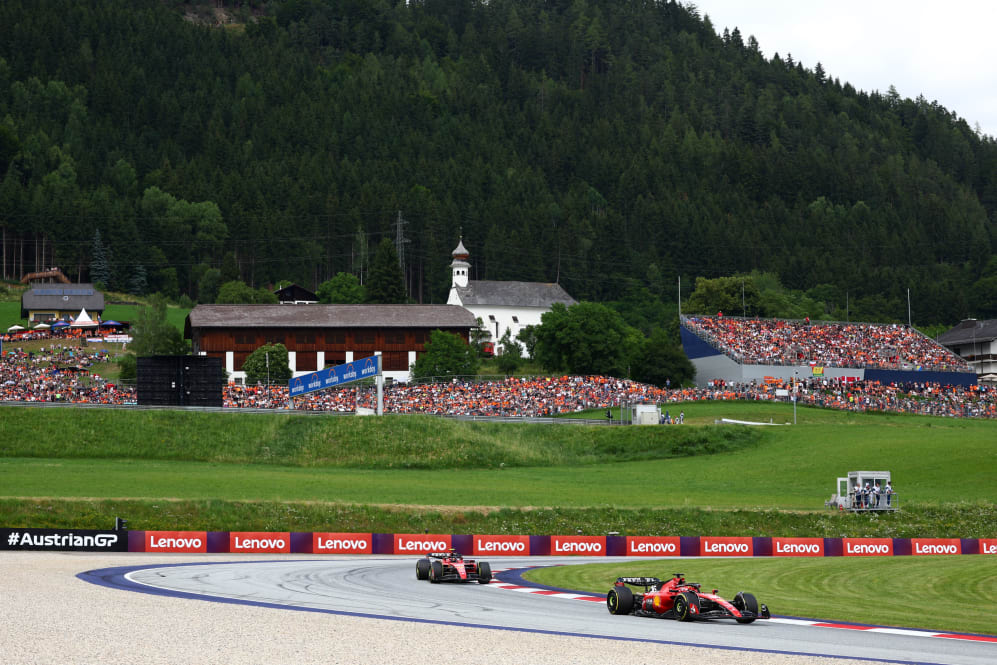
[
  {"x": 46, "y": 302},
  {"x": 976, "y": 342}
]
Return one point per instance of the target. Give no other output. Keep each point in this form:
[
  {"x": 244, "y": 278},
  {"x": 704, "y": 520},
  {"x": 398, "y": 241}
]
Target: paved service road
[{"x": 387, "y": 588}]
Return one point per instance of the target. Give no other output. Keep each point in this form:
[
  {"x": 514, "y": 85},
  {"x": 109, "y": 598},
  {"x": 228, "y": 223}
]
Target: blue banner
[{"x": 331, "y": 377}]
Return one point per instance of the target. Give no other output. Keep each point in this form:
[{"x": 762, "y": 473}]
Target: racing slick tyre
[
  {"x": 484, "y": 572},
  {"x": 620, "y": 600},
  {"x": 422, "y": 569},
  {"x": 684, "y": 604},
  {"x": 435, "y": 572},
  {"x": 745, "y": 601}
]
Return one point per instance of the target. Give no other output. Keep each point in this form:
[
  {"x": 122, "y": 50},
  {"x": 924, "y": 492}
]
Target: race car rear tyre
[
  {"x": 746, "y": 602},
  {"x": 484, "y": 572},
  {"x": 684, "y": 604},
  {"x": 620, "y": 600},
  {"x": 422, "y": 569},
  {"x": 435, "y": 572}
]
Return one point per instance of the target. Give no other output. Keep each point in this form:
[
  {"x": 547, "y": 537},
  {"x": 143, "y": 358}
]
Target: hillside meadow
[{"x": 460, "y": 476}]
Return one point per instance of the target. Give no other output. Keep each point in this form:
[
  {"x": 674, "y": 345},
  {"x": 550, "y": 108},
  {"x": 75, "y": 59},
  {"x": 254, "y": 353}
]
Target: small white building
[
  {"x": 976, "y": 342},
  {"x": 501, "y": 306}
]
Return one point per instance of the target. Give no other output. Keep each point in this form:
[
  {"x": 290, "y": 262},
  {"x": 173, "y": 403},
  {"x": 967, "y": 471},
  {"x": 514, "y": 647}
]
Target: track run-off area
[{"x": 383, "y": 593}]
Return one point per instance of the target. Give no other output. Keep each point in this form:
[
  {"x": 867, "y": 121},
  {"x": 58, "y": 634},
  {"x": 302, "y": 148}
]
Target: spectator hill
[{"x": 735, "y": 350}]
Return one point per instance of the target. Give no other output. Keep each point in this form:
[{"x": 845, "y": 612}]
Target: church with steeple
[{"x": 501, "y": 306}]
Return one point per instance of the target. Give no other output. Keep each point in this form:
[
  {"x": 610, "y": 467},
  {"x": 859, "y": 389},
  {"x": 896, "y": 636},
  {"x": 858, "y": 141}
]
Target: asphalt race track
[{"x": 386, "y": 588}]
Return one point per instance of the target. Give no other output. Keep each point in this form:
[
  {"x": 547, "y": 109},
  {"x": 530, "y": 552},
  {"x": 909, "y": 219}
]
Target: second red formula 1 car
[
  {"x": 452, "y": 567},
  {"x": 678, "y": 599}
]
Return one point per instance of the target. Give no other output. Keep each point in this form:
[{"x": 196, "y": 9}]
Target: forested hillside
[{"x": 611, "y": 146}]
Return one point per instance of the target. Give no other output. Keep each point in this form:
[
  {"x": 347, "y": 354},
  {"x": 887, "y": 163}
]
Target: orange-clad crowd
[
  {"x": 782, "y": 342},
  {"x": 60, "y": 373}
]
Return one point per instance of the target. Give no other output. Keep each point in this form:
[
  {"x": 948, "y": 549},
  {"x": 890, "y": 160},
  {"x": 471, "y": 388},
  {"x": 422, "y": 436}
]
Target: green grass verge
[
  {"x": 392, "y": 442},
  {"x": 915, "y": 592},
  {"x": 287, "y": 514}
]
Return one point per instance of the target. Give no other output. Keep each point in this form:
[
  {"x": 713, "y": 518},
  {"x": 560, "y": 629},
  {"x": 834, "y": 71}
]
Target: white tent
[
  {"x": 83, "y": 320},
  {"x": 42, "y": 326},
  {"x": 15, "y": 328}
]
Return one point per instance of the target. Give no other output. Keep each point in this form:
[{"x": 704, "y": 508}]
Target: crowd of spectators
[
  {"x": 58, "y": 373},
  {"x": 62, "y": 372},
  {"x": 783, "y": 342}
]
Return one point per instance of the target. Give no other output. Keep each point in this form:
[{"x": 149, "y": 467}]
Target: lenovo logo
[
  {"x": 946, "y": 546},
  {"x": 175, "y": 542},
  {"x": 578, "y": 545},
  {"x": 499, "y": 547},
  {"x": 647, "y": 546},
  {"x": 871, "y": 547},
  {"x": 341, "y": 543},
  {"x": 798, "y": 546},
  {"x": 409, "y": 543},
  {"x": 725, "y": 546}
]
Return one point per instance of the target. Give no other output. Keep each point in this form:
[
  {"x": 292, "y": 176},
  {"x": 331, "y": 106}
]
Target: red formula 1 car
[
  {"x": 452, "y": 567},
  {"x": 678, "y": 599}
]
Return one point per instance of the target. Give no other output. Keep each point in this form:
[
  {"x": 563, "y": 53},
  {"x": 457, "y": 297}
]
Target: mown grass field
[{"x": 915, "y": 592}]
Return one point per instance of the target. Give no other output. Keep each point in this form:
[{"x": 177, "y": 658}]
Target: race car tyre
[
  {"x": 484, "y": 572},
  {"x": 684, "y": 604},
  {"x": 620, "y": 600},
  {"x": 422, "y": 569},
  {"x": 746, "y": 602},
  {"x": 435, "y": 572}
]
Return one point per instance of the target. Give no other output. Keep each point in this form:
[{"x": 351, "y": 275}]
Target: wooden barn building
[{"x": 317, "y": 336}]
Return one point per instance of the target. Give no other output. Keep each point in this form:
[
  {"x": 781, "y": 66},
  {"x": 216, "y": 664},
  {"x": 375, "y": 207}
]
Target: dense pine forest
[{"x": 612, "y": 146}]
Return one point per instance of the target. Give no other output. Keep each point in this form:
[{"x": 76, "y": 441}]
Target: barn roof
[
  {"x": 329, "y": 316},
  {"x": 62, "y": 297},
  {"x": 969, "y": 331}
]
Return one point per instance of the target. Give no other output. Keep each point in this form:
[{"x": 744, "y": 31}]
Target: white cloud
[{"x": 945, "y": 52}]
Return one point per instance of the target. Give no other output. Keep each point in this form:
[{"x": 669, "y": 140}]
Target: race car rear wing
[
  {"x": 444, "y": 555},
  {"x": 639, "y": 581}
]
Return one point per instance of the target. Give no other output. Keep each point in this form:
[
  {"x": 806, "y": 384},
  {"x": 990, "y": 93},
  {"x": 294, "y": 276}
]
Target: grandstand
[{"x": 739, "y": 350}]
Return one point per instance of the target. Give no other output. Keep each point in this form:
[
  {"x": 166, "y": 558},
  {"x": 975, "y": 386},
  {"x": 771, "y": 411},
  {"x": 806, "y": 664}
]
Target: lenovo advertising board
[
  {"x": 64, "y": 540},
  {"x": 719, "y": 546},
  {"x": 578, "y": 545},
  {"x": 500, "y": 545},
  {"x": 654, "y": 546},
  {"x": 253, "y": 542},
  {"x": 342, "y": 543},
  {"x": 797, "y": 547},
  {"x": 176, "y": 541},
  {"x": 420, "y": 543},
  {"x": 922, "y": 546},
  {"x": 867, "y": 546},
  {"x": 988, "y": 545}
]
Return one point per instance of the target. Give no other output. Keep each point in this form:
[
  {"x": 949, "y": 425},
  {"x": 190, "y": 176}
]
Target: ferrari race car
[
  {"x": 678, "y": 599},
  {"x": 452, "y": 567}
]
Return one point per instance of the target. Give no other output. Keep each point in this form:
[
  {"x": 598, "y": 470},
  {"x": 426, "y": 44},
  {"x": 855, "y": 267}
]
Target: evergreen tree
[
  {"x": 153, "y": 334},
  {"x": 100, "y": 263},
  {"x": 386, "y": 283}
]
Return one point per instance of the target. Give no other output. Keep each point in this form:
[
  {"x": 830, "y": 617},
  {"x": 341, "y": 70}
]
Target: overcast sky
[{"x": 946, "y": 51}]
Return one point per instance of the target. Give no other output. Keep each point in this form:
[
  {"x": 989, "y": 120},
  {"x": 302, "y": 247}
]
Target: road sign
[{"x": 332, "y": 377}]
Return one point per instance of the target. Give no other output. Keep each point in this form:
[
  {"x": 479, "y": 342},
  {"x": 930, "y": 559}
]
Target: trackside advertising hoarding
[
  {"x": 867, "y": 546},
  {"x": 719, "y": 546},
  {"x": 935, "y": 546},
  {"x": 988, "y": 545},
  {"x": 342, "y": 543},
  {"x": 259, "y": 542},
  {"x": 500, "y": 545},
  {"x": 578, "y": 545},
  {"x": 797, "y": 547},
  {"x": 176, "y": 541},
  {"x": 64, "y": 540},
  {"x": 420, "y": 543},
  {"x": 654, "y": 546}
]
